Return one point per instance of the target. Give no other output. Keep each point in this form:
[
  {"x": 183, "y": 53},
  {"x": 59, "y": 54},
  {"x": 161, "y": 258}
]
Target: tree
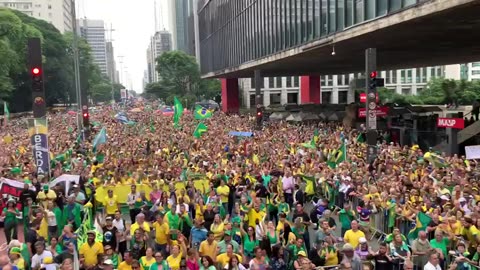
[{"x": 179, "y": 72}]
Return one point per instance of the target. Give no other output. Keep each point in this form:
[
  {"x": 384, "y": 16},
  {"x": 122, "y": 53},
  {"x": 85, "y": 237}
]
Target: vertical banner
[
  {"x": 123, "y": 94},
  {"x": 38, "y": 132}
]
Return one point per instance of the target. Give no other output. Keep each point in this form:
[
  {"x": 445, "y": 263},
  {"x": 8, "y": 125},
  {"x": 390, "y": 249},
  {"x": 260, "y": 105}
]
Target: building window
[
  {"x": 403, "y": 76},
  {"x": 475, "y": 72},
  {"x": 476, "y": 64},
  {"x": 407, "y": 3},
  {"x": 432, "y": 72},
  {"x": 340, "y": 79},
  {"x": 289, "y": 82},
  {"x": 370, "y": 9},
  {"x": 329, "y": 80},
  {"x": 271, "y": 82},
  {"x": 359, "y": 8},
  {"x": 331, "y": 16},
  {"x": 388, "y": 77},
  {"x": 279, "y": 82},
  {"x": 406, "y": 91},
  {"x": 424, "y": 75},
  {"x": 326, "y": 97},
  {"x": 275, "y": 99},
  {"x": 292, "y": 98},
  {"x": 439, "y": 72},
  {"x": 418, "y": 76},
  {"x": 296, "y": 82},
  {"x": 349, "y": 13},
  {"x": 322, "y": 80},
  {"x": 252, "y": 83},
  {"x": 342, "y": 97},
  {"x": 409, "y": 76},
  {"x": 49, "y": 6},
  {"x": 252, "y": 101}
]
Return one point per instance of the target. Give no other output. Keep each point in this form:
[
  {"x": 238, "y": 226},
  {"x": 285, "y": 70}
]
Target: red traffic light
[
  {"x": 259, "y": 113},
  {"x": 36, "y": 71},
  {"x": 373, "y": 74},
  {"x": 85, "y": 115}
]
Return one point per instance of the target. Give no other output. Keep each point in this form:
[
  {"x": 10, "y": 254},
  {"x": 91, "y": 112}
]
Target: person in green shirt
[
  {"x": 175, "y": 222},
  {"x": 160, "y": 262},
  {"x": 346, "y": 216},
  {"x": 11, "y": 215},
  {"x": 440, "y": 242}
]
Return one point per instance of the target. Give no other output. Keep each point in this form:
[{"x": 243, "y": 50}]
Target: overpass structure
[{"x": 298, "y": 37}]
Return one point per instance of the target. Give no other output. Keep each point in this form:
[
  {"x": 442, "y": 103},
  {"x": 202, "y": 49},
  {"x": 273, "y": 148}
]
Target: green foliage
[
  {"x": 180, "y": 76},
  {"x": 15, "y": 30}
]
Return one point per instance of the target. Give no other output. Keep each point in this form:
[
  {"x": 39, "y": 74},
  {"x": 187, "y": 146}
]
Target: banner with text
[
  {"x": 38, "y": 132},
  {"x": 457, "y": 123},
  {"x": 13, "y": 189},
  {"x": 380, "y": 111}
]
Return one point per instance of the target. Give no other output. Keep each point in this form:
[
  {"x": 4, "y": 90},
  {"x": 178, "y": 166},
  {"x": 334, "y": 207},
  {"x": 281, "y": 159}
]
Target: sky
[{"x": 134, "y": 24}]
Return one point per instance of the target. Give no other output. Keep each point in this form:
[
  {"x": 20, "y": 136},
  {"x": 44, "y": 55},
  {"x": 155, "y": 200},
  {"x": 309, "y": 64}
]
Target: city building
[
  {"x": 161, "y": 42},
  {"x": 56, "y": 12},
  {"x": 93, "y": 31},
  {"x": 182, "y": 22},
  {"x": 336, "y": 88},
  {"x": 111, "y": 65}
]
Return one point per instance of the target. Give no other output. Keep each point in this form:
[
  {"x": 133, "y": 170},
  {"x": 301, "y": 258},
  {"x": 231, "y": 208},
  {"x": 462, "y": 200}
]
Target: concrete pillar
[
  {"x": 266, "y": 97},
  {"x": 310, "y": 89},
  {"x": 284, "y": 96},
  {"x": 230, "y": 94}
]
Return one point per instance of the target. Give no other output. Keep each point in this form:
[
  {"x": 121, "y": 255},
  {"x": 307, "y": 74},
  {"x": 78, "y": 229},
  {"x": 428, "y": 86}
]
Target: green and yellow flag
[
  {"x": 177, "y": 112},
  {"x": 202, "y": 113},
  {"x": 201, "y": 128},
  {"x": 420, "y": 225}
]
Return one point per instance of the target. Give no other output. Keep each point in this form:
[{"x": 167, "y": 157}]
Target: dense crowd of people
[{"x": 271, "y": 201}]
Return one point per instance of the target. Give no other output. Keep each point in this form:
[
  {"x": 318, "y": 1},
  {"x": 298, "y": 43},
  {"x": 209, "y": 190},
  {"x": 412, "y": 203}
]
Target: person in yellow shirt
[
  {"x": 128, "y": 262},
  {"x": 178, "y": 252},
  {"x": 224, "y": 258},
  {"x": 353, "y": 235},
  {"x": 255, "y": 214},
  {"x": 46, "y": 195},
  {"x": 90, "y": 251},
  {"x": 111, "y": 203},
  {"x": 162, "y": 230},
  {"x": 223, "y": 191},
  {"x": 209, "y": 247},
  {"x": 140, "y": 224}
]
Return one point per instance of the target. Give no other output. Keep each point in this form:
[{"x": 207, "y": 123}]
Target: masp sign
[{"x": 457, "y": 123}]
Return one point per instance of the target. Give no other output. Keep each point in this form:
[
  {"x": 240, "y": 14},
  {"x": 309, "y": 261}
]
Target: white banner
[
  {"x": 472, "y": 152},
  {"x": 13, "y": 189}
]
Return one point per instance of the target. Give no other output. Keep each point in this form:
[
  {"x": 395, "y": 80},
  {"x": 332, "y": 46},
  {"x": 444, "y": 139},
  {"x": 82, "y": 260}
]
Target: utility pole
[
  {"x": 258, "y": 97},
  {"x": 76, "y": 65},
  {"x": 371, "y": 103}
]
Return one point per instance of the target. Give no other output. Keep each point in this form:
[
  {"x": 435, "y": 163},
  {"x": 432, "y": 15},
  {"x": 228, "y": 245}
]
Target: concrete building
[
  {"x": 161, "y": 42},
  {"x": 56, "y": 12},
  {"x": 93, "y": 31},
  {"x": 111, "y": 64},
  {"x": 298, "y": 38},
  {"x": 336, "y": 88},
  {"x": 180, "y": 12}
]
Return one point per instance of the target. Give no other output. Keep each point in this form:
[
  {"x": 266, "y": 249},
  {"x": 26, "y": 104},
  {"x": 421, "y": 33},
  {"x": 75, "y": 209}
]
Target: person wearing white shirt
[
  {"x": 41, "y": 253},
  {"x": 131, "y": 199},
  {"x": 433, "y": 262}
]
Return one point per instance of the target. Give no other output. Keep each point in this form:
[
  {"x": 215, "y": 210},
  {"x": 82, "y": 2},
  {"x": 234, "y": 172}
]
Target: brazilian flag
[
  {"x": 311, "y": 186},
  {"x": 201, "y": 128},
  {"x": 420, "y": 225},
  {"x": 202, "y": 113}
]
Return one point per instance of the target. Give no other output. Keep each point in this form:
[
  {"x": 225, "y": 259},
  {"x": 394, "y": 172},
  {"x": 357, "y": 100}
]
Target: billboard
[{"x": 38, "y": 133}]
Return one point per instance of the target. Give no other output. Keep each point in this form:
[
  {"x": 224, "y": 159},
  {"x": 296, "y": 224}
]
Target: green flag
[
  {"x": 420, "y": 225},
  {"x": 311, "y": 184},
  {"x": 6, "y": 112},
  {"x": 178, "y": 111},
  {"x": 202, "y": 113},
  {"x": 201, "y": 128}
]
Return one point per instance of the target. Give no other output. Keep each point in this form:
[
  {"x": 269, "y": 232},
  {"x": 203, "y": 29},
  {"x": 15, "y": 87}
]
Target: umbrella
[{"x": 72, "y": 112}]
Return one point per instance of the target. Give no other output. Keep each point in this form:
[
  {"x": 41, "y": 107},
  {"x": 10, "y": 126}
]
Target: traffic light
[
  {"x": 259, "y": 116},
  {"x": 374, "y": 81},
  {"x": 37, "y": 80},
  {"x": 86, "y": 119},
  {"x": 36, "y": 73}
]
